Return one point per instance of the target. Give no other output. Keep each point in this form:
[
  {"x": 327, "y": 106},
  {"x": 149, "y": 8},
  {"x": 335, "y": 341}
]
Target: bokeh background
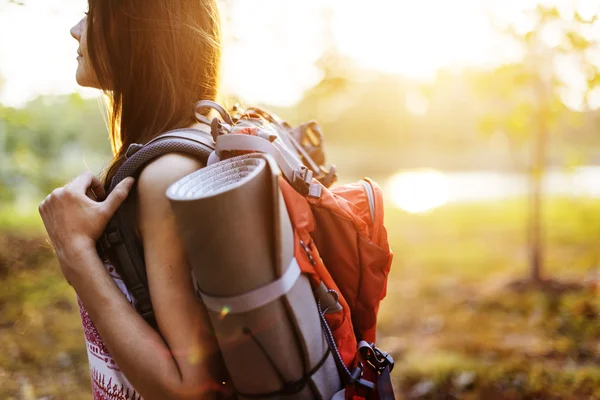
[{"x": 480, "y": 120}]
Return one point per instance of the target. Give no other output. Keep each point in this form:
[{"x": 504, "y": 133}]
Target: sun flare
[
  {"x": 267, "y": 58},
  {"x": 419, "y": 191}
]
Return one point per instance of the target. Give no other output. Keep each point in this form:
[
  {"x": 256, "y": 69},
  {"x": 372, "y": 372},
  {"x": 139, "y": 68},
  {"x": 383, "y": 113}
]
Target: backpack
[{"x": 340, "y": 241}]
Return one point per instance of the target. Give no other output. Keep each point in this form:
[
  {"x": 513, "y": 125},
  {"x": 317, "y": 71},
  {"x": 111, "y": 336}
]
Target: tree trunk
[{"x": 536, "y": 176}]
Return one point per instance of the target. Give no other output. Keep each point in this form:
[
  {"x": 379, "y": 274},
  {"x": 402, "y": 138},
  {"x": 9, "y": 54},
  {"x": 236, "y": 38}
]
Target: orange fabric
[
  {"x": 302, "y": 219},
  {"x": 351, "y": 253},
  {"x": 252, "y": 131},
  {"x": 355, "y": 249}
]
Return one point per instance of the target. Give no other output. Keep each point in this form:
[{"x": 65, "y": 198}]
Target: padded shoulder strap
[
  {"x": 118, "y": 239},
  {"x": 202, "y": 138},
  {"x": 190, "y": 141}
]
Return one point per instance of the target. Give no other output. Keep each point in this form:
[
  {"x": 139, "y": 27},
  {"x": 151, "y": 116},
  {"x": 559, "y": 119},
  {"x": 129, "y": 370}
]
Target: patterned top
[{"x": 108, "y": 382}]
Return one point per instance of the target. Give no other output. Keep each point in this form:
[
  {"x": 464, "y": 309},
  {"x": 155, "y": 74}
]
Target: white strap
[
  {"x": 242, "y": 142},
  {"x": 256, "y": 298},
  {"x": 285, "y": 159}
]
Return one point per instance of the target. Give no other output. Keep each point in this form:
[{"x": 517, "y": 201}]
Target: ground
[
  {"x": 456, "y": 323},
  {"x": 460, "y": 327}
]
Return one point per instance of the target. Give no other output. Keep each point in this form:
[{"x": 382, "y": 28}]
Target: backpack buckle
[
  {"x": 302, "y": 179},
  {"x": 303, "y": 184},
  {"x": 365, "y": 384},
  {"x": 357, "y": 378},
  {"x": 384, "y": 359},
  {"x": 356, "y": 373},
  {"x": 110, "y": 238},
  {"x": 377, "y": 358}
]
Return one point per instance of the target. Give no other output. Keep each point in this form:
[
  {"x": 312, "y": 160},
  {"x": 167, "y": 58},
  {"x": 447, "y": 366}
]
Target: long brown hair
[{"x": 154, "y": 60}]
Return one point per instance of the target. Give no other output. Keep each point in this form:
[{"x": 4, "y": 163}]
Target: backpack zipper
[{"x": 371, "y": 197}]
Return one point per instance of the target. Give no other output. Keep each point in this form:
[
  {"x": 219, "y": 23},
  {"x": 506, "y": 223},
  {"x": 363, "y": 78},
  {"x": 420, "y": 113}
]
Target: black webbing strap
[
  {"x": 135, "y": 282},
  {"x": 381, "y": 361},
  {"x": 119, "y": 241},
  {"x": 290, "y": 388},
  {"x": 385, "y": 389}
]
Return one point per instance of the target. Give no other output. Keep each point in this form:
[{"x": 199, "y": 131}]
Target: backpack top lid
[{"x": 303, "y": 143}]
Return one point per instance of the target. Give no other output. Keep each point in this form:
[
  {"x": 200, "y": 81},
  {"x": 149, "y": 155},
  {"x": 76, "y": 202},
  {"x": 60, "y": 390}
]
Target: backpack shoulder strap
[
  {"x": 190, "y": 141},
  {"x": 118, "y": 239}
]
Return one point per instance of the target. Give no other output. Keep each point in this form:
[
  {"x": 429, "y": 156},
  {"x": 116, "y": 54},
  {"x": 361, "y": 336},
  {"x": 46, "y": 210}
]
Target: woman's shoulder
[
  {"x": 149, "y": 201},
  {"x": 159, "y": 174}
]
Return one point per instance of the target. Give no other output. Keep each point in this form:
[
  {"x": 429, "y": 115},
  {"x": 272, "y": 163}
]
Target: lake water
[{"x": 422, "y": 190}]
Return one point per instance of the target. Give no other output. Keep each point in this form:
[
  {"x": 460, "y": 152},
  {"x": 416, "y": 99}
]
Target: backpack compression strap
[{"x": 118, "y": 238}]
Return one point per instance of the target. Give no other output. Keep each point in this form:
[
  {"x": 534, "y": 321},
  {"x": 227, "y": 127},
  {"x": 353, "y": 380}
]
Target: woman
[{"x": 153, "y": 60}]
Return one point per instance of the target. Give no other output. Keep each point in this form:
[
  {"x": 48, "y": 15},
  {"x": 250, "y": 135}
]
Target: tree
[{"x": 529, "y": 101}]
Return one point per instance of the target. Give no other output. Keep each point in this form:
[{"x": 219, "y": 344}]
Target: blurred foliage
[
  {"x": 374, "y": 124},
  {"x": 48, "y": 142},
  {"x": 527, "y": 97}
]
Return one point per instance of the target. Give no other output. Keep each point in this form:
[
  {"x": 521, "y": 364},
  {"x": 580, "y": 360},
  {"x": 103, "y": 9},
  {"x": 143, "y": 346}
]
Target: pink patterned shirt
[{"x": 108, "y": 382}]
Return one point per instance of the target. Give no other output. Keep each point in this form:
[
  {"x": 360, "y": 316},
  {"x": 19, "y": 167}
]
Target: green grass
[{"x": 455, "y": 328}]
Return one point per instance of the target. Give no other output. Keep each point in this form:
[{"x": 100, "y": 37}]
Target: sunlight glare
[
  {"x": 419, "y": 191},
  {"x": 414, "y": 38},
  {"x": 271, "y": 47}
]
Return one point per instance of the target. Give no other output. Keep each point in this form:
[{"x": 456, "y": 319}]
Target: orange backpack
[
  {"x": 340, "y": 239},
  {"x": 344, "y": 244}
]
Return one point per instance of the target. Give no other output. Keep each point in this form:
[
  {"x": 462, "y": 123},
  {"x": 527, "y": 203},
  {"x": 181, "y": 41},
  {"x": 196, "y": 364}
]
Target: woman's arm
[
  {"x": 181, "y": 318},
  {"x": 141, "y": 353},
  {"x": 181, "y": 364}
]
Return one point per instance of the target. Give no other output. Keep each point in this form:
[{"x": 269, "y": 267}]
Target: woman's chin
[
  {"x": 85, "y": 82},
  {"x": 83, "y": 78}
]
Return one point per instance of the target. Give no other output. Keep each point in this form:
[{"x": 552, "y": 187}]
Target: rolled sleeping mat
[{"x": 240, "y": 245}]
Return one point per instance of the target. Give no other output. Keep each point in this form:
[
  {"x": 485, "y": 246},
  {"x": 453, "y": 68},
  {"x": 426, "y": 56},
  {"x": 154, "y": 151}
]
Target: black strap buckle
[
  {"x": 357, "y": 379},
  {"x": 377, "y": 358},
  {"x": 380, "y": 361},
  {"x": 301, "y": 179},
  {"x": 110, "y": 238},
  {"x": 303, "y": 184},
  {"x": 114, "y": 238},
  {"x": 366, "y": 385},
  {"x": 143, "y": 301}
]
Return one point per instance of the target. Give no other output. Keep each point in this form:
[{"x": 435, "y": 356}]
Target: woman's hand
[{"x": 73, "y": 220}]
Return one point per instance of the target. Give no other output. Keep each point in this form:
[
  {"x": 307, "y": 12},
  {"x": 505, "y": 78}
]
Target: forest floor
[
  {"x": 457, "y": 317},
  {"x": 460, "y": 321}
]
